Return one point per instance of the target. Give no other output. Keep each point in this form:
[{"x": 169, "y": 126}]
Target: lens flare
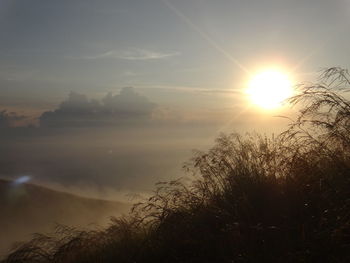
[{"x": 22, "y": 180}]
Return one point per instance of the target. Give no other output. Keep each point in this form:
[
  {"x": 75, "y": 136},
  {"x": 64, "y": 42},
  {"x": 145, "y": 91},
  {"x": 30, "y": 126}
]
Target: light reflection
[{"x": 22, "y": 180}]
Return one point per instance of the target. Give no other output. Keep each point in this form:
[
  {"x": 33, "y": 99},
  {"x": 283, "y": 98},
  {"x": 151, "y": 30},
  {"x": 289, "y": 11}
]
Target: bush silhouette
[{"x": 250, "y": 199}]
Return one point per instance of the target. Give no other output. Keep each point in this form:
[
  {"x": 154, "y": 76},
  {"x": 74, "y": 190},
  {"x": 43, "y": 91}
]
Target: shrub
[{"x": 250, "y": 199}]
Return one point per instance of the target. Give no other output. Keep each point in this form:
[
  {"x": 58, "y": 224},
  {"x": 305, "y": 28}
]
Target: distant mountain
[{"x": 26, "y": 209}]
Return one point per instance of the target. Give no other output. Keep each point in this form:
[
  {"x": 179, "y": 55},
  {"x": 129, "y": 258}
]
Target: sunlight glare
[{"x": 268, "y": 89}]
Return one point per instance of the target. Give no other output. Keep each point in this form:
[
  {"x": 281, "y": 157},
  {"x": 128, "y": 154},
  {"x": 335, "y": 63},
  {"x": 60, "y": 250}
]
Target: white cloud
[{"x": 133, "y": 54}]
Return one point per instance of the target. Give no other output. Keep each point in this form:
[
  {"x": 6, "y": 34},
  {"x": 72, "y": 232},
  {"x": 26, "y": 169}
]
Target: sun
[{"x": 269, "y": 88}]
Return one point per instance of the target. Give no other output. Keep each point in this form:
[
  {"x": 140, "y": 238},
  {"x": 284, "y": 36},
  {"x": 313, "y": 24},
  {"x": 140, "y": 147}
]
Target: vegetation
[{"x": 251, "y": 199}]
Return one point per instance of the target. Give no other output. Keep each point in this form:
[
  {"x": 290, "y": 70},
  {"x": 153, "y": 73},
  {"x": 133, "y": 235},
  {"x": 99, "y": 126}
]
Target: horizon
[{"x": 64, "y": 67}]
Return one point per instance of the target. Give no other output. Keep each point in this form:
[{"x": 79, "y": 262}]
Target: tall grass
[{"x": 250, "y": 199}]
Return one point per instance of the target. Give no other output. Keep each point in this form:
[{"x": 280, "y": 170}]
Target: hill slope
[{"x": 27, "y": 208}]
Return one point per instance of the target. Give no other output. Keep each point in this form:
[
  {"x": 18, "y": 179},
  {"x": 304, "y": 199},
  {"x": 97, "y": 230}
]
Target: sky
[{"x": 116, "y": 94}]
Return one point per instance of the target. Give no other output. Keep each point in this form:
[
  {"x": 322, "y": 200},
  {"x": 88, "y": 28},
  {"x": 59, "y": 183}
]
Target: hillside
[{"x": 28, "y": 208}]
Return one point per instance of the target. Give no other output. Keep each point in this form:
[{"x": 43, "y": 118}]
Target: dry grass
[{"x": 251, "y": 199}]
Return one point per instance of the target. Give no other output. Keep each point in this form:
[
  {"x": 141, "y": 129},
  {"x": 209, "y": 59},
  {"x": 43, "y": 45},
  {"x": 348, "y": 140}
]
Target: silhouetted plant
[{"x": 250, "y": 199}]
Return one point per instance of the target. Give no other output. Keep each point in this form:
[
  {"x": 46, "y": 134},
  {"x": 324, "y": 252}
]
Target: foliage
[{"x": 251, "y": 199}]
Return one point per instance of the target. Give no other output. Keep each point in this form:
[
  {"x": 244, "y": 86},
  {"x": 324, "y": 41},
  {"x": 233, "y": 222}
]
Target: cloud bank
[
  {"x": 79, "y": 111},
  {"x": 10, "y": 119}
]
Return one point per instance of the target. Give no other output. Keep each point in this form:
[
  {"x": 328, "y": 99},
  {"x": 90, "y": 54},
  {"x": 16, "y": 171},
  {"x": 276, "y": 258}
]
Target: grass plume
[{"x": 250, "y": 199}]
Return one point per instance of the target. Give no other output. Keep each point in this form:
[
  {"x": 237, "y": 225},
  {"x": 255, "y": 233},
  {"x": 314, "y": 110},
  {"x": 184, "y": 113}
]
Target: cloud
[
  {"x": 133, "y": 54},
  {"x": 10, "y": 119},
  {"x": 79, "y": 111},
  {"x": 197, "y": 90},
  {"x": 141, "y": 54}
]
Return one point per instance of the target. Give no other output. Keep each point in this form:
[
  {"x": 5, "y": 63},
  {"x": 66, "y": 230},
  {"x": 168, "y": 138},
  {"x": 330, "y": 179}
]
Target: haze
[{"x": 105, "y": 98}]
